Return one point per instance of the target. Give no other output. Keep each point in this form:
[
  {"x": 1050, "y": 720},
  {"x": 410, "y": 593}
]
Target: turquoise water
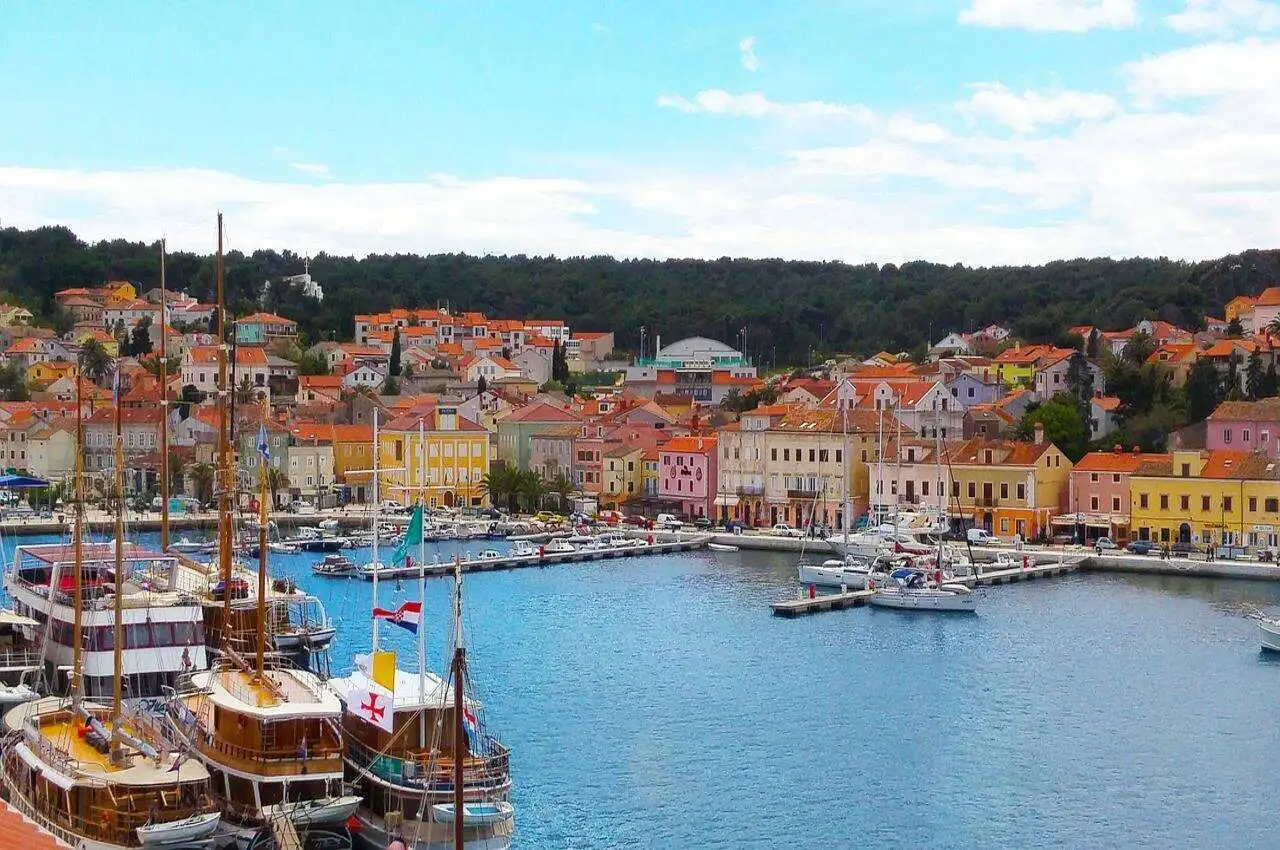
[{"x": 655, "y": 703}]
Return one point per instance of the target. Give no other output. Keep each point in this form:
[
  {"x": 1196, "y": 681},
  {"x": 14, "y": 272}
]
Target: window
[
  {"x": 1093, "y": 477},
  {"x": 1004, "y": 526},
  {"x": 812, "y": 455},
  {"x": 1271, "y": 505},
  {"x": 823, "y": 455},
  {"x": 1004, "y": 490},
  {"x": 773, "y": 454},
  {"x": 1226, "y": 435},
  {"x": 1204, "y": 503},
  {"x": 1226, "y": 503},
  {"x": 1164, "y": 501},
  {"x": 1253, "y": 505},
  {"x": 1184, "y": 503},
  {"x": 1115, "y": 479},
  {"x": 1022, "y": 491},
  {"x": 955, "y": 488},
  {"x": 924, "y": 488},
  {"x": 786, "y": 454},
  {"x": 1093, "y": 503},
  {"x": 1115, "y": 504},
  {"x": 973, "y": 490}
]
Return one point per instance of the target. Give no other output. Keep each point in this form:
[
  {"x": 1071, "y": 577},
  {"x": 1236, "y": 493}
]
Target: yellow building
[
  {"x": 108, "y": 342},
  {"x": 1222, "y": 498},
  {"x": 456, "y": 459},
  {"x": 649, "y": 474},
  {"x": 1008, "y": 487},
  {"x": 40, "y": 375},
  {"x": 622, "y": 476}
]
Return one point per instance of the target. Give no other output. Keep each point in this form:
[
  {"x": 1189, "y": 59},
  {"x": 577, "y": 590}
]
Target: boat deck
[{"x": 854, "y": 598}]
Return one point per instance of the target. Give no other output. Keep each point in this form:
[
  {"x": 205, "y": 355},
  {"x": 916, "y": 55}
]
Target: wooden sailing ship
[{"x": 268, "y": 733}]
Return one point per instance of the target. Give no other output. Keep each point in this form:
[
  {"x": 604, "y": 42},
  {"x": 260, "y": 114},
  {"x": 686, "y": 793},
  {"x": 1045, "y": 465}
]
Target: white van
[
  {"x": 980, "y": 536},
  {"x": 668, "y": 521}
]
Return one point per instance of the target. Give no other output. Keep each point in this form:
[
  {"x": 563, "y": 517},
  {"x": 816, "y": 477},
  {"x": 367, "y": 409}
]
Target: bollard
[{"x": 813, "y": 591}]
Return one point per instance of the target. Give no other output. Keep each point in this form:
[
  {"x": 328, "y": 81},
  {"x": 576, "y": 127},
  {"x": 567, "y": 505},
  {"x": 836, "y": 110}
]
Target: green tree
[
  {"x": 140, "y": 338},
  {"x": 1063, "y": 425},
  {"x": 395, "y": 353},
  {"x": 529, "y": 489},
  {"x": 390, "y": 386},
  {"x": 1204, "y": 389},
  {"x": 277, "y": 480},
  {"x": 1234, "y": 328},
  {"x": 1139, "y": 348},
  {"x": 481, "y": 385},
  {"x": 95, "y": 362},
  {"x": 1254, "y": 376},
  {"x": 172, "y": 365},
  {"x": 501, "y": 483},
  {"x": 1091, "y": 347},
  {"x": 202, "y": 477},
  {"x": 13, "y": 382},
  {"x": 562, "y": 488},
  {"x": 1273, "y": 327}
]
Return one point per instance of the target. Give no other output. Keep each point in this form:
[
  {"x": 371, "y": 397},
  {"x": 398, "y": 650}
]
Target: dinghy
[
  {"x": 476, "y": 814},
  {"x": 721, "y": 547},
  {"x": 179, "y": 833}
]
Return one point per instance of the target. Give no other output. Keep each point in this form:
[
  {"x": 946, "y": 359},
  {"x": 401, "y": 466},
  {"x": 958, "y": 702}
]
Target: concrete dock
[
  {"x": 854, "y": 598},
  {"x": 441, "y": 568}
]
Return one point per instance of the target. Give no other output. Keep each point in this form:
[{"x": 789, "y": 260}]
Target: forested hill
[{"x": 787, "y": 306}]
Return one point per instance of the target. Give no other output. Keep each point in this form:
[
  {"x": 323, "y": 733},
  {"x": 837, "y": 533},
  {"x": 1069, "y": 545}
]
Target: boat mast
[
  {"x": 164, "y": 410},
  {"x": 117, "y": 633},
  {"x": 897, "y": 468},
  {"x": 877, "y": 507},
  {"x": 263, "y": 454},
  {"x": 459, "y": 730},
  {"x": 422, "y": 582},
  {"x": 937, "y": 466},
  {"x": 224, "y": 452},
  {"x": 77, "y": 622},
  {"x": 845, "y": 464},
  {"x": 377, "y": 515}
]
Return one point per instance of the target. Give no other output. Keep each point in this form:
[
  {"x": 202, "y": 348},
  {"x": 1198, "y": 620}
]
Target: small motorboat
[
  {"x": 721, "y": 547},
  {"x": 282, "y": 548},
  {"x": 475, "y": 814},
  {"x": 1269, "y": 632},
  {"x": 311, "y": 637},
  {"x": 559, "y": 546},
  {"x": 312, "y": 812},
  {"x": 488, "y": 555},
  {"x": 334, "y": 566},
  {"x": 187, "y": 546},
  {"x": 179, "y": 833},
  {"x": 523, "y": 550}
]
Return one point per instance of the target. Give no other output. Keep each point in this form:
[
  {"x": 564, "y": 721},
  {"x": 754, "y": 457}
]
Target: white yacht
[
  {"x": 1269, "y": 632},
  {"x": 910, "y": 589}
]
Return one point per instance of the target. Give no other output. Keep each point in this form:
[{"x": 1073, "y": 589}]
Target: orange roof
[
  {"x": 266, "y": 319},
  {"x": 541, "y": 412},
  {"x": 25, "y": 345},
  {"x": 1228, "y": 347},
  {"x": 449, "y": 348},
  {"x": 690, "y": 445},
  {"x": 1117, "y": 461},
  {"x": 320, "y": 382},
  {"x": 1107, "y": 402},
  {"x": 1270, "y": 297}
]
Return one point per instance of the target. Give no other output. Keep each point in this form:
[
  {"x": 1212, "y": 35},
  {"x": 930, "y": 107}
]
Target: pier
[
  {"x": 512, "y": 562},
  {"x": 854, "y": 598}
]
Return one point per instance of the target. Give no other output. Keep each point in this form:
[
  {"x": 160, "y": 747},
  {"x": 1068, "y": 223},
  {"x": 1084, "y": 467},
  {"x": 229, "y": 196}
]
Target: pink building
[
  {"x": 1098, "y": 495},
  {"x": 687, "y": 475},
  {"x": 1245, "y": 426}
]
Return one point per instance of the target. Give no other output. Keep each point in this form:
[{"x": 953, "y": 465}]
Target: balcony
[
  {"x": 804, "y": 493},
  {"x": 751, "y": 490},
  {"x": 986, "y": 502}
]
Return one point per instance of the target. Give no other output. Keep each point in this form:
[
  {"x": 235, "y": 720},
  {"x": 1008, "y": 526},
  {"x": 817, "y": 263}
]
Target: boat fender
[
  {"x": 1026, "y": 562},
  {"x": 542, "y": 551},
  {"x": 396, "y": 845}
]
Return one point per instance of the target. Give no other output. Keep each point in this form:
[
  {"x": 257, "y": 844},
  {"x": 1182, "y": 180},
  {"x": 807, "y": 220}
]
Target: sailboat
[
  {"x": 915, "y": 589},
  {"x": 83, "y": 770},
  {"x": 420, "y": 745},
  {"x": 268, "y": 735}
]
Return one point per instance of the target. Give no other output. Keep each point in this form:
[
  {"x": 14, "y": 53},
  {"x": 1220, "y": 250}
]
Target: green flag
[{"x": 412, "y": 537}]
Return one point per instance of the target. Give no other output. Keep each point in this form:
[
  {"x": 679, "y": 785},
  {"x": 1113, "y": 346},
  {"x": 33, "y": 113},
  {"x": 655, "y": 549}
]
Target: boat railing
[
  {"x": 26, "y": 657},
  {"x": 432, "y": 769},
  {"x": 317, "y": 755}
]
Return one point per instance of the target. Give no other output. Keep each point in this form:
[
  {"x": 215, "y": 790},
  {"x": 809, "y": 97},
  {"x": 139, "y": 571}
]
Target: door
[
  {"x": 1184, "y": 533},
  {"x": 986, "y": 494}
]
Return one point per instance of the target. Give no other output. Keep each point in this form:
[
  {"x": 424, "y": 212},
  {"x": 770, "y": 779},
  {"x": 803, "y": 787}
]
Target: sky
[{"x": 974, "y": 131}]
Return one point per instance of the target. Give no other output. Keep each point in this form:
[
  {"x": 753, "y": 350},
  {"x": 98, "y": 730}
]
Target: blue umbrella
[{"x": 21, "y": 482}]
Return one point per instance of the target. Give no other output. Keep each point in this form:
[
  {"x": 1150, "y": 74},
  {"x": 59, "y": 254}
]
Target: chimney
[
  {"x": 1039, "y": 433},
  {"x": 1118, "y": 448},
  {"x": 1137, "y": 450}
]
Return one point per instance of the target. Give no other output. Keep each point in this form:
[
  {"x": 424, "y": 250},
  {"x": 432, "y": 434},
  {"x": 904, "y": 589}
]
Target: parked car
[
  {"x": 736, "y": 525},
  {"x": 1141, "y": 547},
  {"x": 391, "y": 506},
  {"x": 784, "y": 530},
  {"x": 636, "y": 520},
  {"x": 980, "y": 536},
  {"x": 302, "y": 508},
  {"x": 668, "y": 521},
  {"x": 702, "y": 522},
  {"x": 1181, "y": 548},
  {"x": 1104, "y": 543}
]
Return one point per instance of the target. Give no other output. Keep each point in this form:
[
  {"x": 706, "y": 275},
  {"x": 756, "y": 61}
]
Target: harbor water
[{"x": 653, "y": 702}]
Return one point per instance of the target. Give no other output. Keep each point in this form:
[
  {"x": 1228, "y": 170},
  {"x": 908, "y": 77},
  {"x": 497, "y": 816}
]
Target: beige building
[
  {"x": 51, "y": 450},
  {"x": 310, "y": 469}
]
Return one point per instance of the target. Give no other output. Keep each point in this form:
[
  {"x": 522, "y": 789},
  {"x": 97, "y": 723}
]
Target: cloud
[
  {"x": 1051, "y": 15},
  {"x": 1222, "y": 17},
  {"x": 748, "y": 49},
  {"x": 315, "y": 169},
  {"x": 1250, "y": 67},
  {"x": 756, "y": 105},
  {"x": 1029, "y": 110}
]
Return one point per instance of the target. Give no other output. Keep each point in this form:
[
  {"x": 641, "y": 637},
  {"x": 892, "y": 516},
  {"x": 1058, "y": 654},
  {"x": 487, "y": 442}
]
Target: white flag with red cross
[{"x": 372, "y": 707}]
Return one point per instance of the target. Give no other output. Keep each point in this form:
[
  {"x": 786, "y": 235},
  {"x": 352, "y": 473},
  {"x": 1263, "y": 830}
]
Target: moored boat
[
  {"x": 1269, "y": 634},
  {"x": 334, "y": 566},
  {"x": 910, "y": 590}
]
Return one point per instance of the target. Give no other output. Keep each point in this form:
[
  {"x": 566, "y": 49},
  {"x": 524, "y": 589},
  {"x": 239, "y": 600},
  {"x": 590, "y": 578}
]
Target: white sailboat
[{"x": 1269, "y": 633}]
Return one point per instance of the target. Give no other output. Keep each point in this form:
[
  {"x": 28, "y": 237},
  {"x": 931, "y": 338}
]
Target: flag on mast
[
  {"x": 264, "y": 448},
  {"x": 412, "y": 537},
  {"x": 407, "y": 616},
  {"x": 373, "y": 708}
]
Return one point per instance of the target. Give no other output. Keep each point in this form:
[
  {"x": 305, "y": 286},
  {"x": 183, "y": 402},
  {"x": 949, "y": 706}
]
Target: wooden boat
[{"x": 306, "y": 813}]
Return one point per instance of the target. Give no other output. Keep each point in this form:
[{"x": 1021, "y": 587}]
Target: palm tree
[
  {"x": 202, "y": 475},
  {"x": 176, "y": 467},
  {"x": 1273, "y": 328},
  {"x": 562, "y": 488},
  {"x": 528, "y": 488},
  {"x": 277, "y": 480},
  {"x": 95, "y": 362}
]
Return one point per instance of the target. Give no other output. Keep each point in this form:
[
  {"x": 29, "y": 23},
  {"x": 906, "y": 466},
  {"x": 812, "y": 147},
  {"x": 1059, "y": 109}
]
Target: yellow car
[{"x": 547, "y": 516}]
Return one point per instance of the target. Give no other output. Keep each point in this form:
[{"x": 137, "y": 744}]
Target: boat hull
[
  {"x": 823, "y": 576},
  {"x": 373, "y": 835},
  {"x": 926, "y": 601},
  {"x": 1269, "y": 634}
]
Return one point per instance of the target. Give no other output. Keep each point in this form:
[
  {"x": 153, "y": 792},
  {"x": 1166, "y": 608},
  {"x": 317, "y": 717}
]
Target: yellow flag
[{"x": 384, "y": 670}]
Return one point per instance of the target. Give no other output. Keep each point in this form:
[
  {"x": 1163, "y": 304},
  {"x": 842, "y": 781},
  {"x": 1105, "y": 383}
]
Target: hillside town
[{"x": 1020, "y": 439}]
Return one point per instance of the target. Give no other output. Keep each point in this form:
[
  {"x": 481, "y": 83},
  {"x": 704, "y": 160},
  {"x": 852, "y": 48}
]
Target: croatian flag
[
  {"x": 469, "y": 725},
  {"x": 407, "y": 616}
]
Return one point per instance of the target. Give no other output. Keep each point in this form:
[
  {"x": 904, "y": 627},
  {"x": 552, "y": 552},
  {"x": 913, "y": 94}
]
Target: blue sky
[{"x": 979, "y": 131}]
